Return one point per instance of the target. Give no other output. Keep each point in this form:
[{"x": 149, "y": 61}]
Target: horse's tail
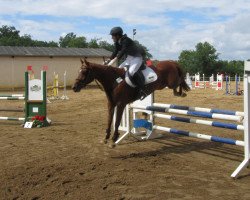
[{"x": 183, "y": 83}]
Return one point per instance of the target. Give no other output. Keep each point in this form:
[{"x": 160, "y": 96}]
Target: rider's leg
[
  {"x": 126, "y": 62},
  {"x": 135, "y": 64}
]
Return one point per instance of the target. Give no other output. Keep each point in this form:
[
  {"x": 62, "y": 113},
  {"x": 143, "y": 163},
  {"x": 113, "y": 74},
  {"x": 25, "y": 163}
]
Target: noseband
[{"x": 82, "y": 82}]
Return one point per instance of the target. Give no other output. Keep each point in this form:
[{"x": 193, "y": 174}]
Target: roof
[{"x": 53, "y": 51}]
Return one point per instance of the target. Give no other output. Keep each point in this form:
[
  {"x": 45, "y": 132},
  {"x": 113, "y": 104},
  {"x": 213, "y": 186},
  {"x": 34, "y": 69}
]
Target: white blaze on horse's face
[{"x": 79, "y": 73}]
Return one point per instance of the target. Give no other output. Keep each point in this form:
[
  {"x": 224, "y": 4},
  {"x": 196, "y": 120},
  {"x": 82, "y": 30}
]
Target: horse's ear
[
  {"x": 86, "y": 62},
  {"x": 82, "y": 61}
]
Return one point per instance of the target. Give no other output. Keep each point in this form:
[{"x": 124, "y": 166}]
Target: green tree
[
  {"x": 25, "y": 40},
  {"x": 221, "y": 66},
  {"x": 9, "y": 31},
  {"x": 203, "y": 59},
  {"x": 38, "y": 43},
  {"x": 94, "y": 43},
  {"x": 206, "y": 57},
  {"x": 234, "y": 67},
  {"x": 9, "y": 36},
  {"x": 52, "y": 44},
  {"x": 187, "y": 60},
  {"x": 71, "y": 40},
  {"x": 105, "y": 45}
]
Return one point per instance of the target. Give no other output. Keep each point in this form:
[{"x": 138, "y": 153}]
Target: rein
[
  {"x": 99, "y": 85},
  {"x": 97, "y": 82},
  {"x": 91, "y": 73}
]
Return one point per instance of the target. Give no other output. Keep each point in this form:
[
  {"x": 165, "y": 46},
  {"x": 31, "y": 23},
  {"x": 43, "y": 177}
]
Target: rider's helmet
[{"x": 116, "y": 31}]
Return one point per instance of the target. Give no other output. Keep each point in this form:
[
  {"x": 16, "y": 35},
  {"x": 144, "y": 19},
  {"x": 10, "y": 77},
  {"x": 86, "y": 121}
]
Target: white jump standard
[
  {"x": 54, "y": 89},
  {"x": 245, "y": 162},
  {"x": 218, "y": 84},
  {"x": 34, "y": 98},
  {"x": 150, "y": 108}
]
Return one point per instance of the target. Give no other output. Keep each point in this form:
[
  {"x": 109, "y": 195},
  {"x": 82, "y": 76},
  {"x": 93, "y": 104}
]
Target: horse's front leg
[
  {"x": 119, "y": 112},
  {"x": 111, "y": 108}
]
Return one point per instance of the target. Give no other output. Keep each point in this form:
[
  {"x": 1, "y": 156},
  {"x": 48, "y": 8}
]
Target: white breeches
[{"x": 134, "y": 64}]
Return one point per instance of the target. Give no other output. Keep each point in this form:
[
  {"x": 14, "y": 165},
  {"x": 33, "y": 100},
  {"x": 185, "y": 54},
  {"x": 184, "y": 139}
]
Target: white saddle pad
[{"x": 149, "y": 75}]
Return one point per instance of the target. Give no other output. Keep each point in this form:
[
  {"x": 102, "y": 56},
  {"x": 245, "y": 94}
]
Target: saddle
[{"x": 142, "y": 77}]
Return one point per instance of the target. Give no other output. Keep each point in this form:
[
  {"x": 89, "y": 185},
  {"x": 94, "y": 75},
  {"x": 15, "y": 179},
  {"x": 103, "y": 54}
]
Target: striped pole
[
  {"x": 12, "y": 118},
  {"x": 227, "y": 84},
  {"x": 236, "y": 85},
  {"x": 11, "y": 110},
  {"x": 11, "y": 95},
  {"x": 191, "y": 113},
  {"x": 203, "y": 122},
  {"x": 12, "y": 98},
  {"x": 201, "y": 136},
  {"x": 209, "y": 110}
]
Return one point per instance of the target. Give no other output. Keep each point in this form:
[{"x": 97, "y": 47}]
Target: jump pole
[
  {"x": 245, "y": 162},
  {"x": 12, "y": 98},
  {"x": 209, "y": 110},
  {"x": 13, "y": 118},
  {"x": 191, "y": 113},
  {"x": 11, "y": 95},
  {"x": 245, "y": 127}
]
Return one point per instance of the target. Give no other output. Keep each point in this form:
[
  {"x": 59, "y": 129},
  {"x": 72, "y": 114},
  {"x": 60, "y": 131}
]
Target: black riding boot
[{"x": 139, "y": 80}]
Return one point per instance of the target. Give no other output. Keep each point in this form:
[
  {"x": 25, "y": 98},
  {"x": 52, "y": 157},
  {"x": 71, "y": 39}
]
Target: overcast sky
[{"x": 166, "y": 27}]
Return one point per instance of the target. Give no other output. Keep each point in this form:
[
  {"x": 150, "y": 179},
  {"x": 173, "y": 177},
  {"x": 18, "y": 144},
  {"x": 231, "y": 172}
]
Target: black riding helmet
[{"x": 116, "y": 31}]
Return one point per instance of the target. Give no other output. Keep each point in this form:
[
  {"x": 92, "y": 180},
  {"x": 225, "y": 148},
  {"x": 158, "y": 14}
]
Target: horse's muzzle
[{"x": 76, "y": 89}]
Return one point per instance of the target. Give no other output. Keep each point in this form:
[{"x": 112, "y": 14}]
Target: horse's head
[{"x": 85, "y": 76}]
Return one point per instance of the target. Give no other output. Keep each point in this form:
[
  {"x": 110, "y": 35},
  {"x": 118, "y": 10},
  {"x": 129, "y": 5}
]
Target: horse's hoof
[
  {"x": 183, "y": 95},
  {"x": 112, "y": 145},
  {"x": 105, "y": 141}
]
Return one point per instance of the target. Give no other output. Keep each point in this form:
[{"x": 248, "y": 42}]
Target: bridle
[
  {"x": 82, "y": 81},
  {"x": 89, "y": 73}
]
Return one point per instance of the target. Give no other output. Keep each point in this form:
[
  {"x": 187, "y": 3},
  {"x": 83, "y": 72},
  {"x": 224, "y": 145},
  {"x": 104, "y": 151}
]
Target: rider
[{"x": 134, "y": 59}]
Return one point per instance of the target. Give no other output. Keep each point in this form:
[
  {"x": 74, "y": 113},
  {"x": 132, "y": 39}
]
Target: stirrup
[{"x": 143, "y": 94}]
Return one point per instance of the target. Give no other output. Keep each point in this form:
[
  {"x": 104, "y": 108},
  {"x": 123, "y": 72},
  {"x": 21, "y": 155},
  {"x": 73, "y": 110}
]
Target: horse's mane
[
  {"x": 96, "y": 65},
  {"x": 108, "y": 69}
]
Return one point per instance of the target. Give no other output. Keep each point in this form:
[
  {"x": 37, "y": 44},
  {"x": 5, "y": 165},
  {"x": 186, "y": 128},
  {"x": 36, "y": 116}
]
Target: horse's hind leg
[
  {"x": 175, "y": 92},
  {"x": 180, "y": 93},
  {"x": 173, "y": 84}
]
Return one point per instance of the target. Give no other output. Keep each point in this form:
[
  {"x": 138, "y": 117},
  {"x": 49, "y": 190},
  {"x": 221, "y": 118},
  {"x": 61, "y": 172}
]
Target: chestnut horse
[{"x": 119, "y": 95}]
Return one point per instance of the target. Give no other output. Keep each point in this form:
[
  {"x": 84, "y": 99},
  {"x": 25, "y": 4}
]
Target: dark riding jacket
[{"x": 126, "y": 46}]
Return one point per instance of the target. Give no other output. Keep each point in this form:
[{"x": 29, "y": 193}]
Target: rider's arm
[
  {"x": 114, "y": 54},
  {"x": 112, "y": 61}
]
